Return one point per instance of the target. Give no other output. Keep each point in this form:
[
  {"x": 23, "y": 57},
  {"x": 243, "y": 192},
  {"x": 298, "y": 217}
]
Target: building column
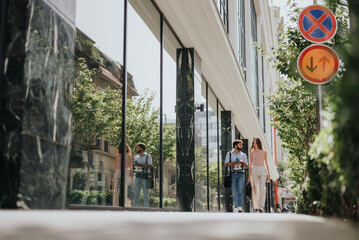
[
  {"x": 36, "y": 106},
  {"x": 185, "y": 128},
  {"x": 226, "y": 145}
]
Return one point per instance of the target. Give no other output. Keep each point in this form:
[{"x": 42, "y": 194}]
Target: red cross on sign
[
  {"x": 317, "y": 23},
  {"x": 318, "y": 64}
]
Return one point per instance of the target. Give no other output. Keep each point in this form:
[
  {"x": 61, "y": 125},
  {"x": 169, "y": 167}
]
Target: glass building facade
[{"x": 80, "y": 77}]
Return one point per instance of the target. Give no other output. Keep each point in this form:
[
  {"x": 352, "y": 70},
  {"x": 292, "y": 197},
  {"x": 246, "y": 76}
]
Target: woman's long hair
[
  {"x": 259, "y": 144},
  {"x": 128, "y": 149}
]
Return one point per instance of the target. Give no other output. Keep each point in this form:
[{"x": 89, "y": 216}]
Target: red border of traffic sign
[
  {"x": 308, "y": 78},
  {"x": 327, "y": 13}
]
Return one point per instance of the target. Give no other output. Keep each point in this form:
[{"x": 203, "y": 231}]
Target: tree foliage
[
  {"x": 323, "y": 168},
  {"x": 294, "y": 107},
  {"x": 333, "y": 162},
  {"x": 89, "y": 119},
  {"x": 98, "y": 113},
  {"x": 335, "y": 153}
]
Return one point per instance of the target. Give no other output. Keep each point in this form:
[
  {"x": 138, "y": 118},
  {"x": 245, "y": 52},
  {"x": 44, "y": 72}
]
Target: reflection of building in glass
[
  {"x": 102, "y": 156},
  {"x": 214, "y": 60},
  {"x": 212, "y": 133}
]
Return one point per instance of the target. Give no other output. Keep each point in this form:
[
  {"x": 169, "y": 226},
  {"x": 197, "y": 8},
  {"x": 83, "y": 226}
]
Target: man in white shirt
[
  {"x": 236, "y": 162},
  {"x": 142, "y": 164}
]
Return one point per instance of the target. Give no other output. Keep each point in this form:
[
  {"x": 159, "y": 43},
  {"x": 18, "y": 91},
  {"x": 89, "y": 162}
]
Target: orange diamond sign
[{"x": 318, "y": 64}]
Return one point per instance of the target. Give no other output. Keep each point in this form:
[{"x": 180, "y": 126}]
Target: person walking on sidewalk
[
  {"x": 236, "y": 161},
  {"x": 142, "y": 163},
  {"x": 258, "y": 173},
  {"x": 117, "y": 177}
]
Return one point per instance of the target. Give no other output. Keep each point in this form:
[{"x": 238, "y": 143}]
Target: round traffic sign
[
  {"x": 317, "y": 23},
  {"x": 318, "y": 64}
]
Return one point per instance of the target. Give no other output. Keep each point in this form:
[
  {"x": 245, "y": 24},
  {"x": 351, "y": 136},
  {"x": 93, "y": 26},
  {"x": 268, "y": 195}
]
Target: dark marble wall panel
[
  {"x": 38, "y": 96},
  {"x": 185, "y": 128},
  {"x": 48, "y": 74},
  {"x": 226, "y": 144},
  {"x": 12, "y": 101},
  {"x": 43, "y": 173}
]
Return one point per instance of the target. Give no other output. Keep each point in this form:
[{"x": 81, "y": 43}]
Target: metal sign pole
[
  {"x": 320, "y": 105},
  {"x": 319, "y": 94}
]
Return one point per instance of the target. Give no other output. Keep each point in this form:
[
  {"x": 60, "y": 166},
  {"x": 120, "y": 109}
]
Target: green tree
[
  {"x": 335, "y": 153},
  {"x": 142, "y": 125},
  {"x": 97, "y": 113},
  {"x": 294, "y": 104},
  {"x": 323, "y": 170},
  {"x": 346, "y": 120},
  {"x": 89, "y": 119},
  {"x": 294, "y": 109}
]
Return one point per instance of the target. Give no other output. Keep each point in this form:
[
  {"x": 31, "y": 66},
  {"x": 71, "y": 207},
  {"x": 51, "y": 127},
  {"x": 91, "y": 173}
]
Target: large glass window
[
  {"x": 96, "y": 102},
  {"x": 254, "y": 59},
  {"x": 169, "y": 118},
  {"x": 200, "y": 136},
  {"x": 223, "y": 10},
  {"x": 213, "y": 151},
  {"x": 241, "y": 33},
  {"x": 221, "y": 162},
  {"x": 263, "y": 98},
  {"x": 143, "y": 110}
]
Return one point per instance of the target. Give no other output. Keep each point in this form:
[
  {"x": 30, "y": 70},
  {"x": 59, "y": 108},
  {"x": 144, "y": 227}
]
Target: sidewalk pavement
[{"x": 99, "y": 225}]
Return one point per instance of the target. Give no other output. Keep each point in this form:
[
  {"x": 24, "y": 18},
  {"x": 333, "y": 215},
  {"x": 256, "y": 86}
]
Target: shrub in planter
[{"x": 76, "y": 196}]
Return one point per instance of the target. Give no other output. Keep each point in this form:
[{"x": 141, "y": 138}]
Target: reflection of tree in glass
[
  {"x": 98, "y": 113},
  {"x": 79, "y": 178},
  {"x": 89, "y": 116}
]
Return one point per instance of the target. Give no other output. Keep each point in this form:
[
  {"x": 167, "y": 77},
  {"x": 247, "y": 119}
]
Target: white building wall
[
  {"x": 199, "y": 24},
  {"x": 266, "y": 37},
  {"x": 248, "y": 33}
]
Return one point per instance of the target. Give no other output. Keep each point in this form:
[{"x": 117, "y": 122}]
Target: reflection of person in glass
[
  {"x": 236, "y": 161},
  {"x": 142, "y": 164},
  {"x": 117, "y": 176}
]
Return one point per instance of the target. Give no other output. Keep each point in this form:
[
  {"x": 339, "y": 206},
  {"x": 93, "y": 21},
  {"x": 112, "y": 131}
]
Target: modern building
[{"x": 195, "y": 80}]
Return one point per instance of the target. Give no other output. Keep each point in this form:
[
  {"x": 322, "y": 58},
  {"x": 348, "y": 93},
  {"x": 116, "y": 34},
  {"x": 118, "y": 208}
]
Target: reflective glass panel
[
  {"x": 169, "y": 118},
  {"x": 221, "y": 160},
  {"x": 213, "y": 151},
  {"x": 143, "y": 109},
  {"x": 97, "y": 103},
  {"x": 200, "y": 143}
]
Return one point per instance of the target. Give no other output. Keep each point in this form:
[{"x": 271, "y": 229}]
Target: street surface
[{"x": 100, "y": 225}]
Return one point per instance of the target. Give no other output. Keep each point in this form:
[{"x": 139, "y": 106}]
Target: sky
[{"x": 285, "y": 7}]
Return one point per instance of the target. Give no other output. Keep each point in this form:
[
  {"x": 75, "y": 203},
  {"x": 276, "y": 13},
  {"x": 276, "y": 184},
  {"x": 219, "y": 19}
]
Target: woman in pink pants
[{"x": 258, "y": 174}]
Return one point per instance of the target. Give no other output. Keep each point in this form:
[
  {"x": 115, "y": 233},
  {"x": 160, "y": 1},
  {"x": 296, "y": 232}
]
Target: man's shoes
[
  {"x": 260, "y": 210},
  {"x": 235, "y": 210},
  {"x": 240, "y": 209}
]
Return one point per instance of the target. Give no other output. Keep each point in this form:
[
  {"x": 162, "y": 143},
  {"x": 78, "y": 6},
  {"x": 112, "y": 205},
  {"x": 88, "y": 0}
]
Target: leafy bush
[
  {"x": 170, "y": 202},
  {"x": 76, "y": 196},
  {"x": 326, "y": 176},
  {"x": 93, "y": 197},
  {"x": 108, "y": 198},
  {"x": 79, "y": 178}
]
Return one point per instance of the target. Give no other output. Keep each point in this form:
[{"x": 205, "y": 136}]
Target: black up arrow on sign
[{"x": 311, "y": 68}]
